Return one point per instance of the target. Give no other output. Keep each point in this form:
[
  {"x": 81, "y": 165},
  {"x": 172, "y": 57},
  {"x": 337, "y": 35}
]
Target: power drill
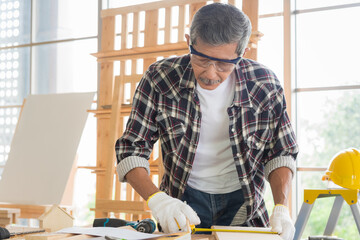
[{"x": 146, "y": 225}]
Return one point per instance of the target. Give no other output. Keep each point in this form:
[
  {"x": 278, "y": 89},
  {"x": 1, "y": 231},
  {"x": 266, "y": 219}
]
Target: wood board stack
[{"x": 8, "y": 216}]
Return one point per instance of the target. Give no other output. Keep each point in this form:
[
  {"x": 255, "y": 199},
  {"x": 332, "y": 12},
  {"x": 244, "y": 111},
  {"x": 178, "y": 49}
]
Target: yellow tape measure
[{"x": 194, "y": 229}]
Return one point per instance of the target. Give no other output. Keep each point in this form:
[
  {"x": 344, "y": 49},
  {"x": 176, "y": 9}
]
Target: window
[
  {"x": 45, "y": 48},
  {"x": 327, "y": 93}
]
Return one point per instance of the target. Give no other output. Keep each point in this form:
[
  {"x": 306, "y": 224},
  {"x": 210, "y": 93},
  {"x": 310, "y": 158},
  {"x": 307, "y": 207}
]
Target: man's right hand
[{"x": 171, "y": 213}]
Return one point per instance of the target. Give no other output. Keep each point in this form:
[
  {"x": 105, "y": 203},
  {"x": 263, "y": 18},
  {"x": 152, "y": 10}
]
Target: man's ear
[
  {"x": 246, "y": 50},
  {"x": 187, "y": 36}
]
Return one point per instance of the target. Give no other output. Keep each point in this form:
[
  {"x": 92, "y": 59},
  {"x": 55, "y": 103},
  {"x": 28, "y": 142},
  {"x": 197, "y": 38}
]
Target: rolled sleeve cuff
[
  {"x": 129, "y": 163},
  {"x": 282, "y": 161}
]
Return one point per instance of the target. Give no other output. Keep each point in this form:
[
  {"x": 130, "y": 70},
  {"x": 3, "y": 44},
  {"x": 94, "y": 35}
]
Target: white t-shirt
[{"x": 213, "y": 170}]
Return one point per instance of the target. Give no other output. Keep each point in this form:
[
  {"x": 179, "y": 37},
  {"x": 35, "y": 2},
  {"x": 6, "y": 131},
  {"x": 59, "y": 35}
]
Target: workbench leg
[
  {"x": 302, "y": 219},
  {"x": 356, "y": 213},
  {"x": 334, "y": 216}
]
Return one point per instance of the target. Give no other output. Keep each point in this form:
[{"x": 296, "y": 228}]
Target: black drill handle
[
  {"x": 4, "y": 233},
  {"x": 109, "y": 222}
]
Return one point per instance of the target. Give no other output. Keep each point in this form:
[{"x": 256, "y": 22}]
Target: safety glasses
[{"x": 204, "y": 61}]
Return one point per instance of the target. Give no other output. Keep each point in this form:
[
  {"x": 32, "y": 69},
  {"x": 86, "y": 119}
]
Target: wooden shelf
[{"x": 143, "y": 52}]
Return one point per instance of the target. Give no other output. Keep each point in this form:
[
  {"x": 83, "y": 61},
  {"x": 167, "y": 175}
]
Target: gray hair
[{"x": 218, "y": 23}]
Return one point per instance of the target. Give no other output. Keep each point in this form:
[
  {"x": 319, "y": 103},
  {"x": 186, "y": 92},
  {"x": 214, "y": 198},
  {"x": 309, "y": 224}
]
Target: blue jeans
[{"x": 213, "y": 209}]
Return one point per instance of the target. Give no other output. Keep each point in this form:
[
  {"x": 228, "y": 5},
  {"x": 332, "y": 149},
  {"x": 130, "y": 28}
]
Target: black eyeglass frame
[{"x": 233, "y": 61}]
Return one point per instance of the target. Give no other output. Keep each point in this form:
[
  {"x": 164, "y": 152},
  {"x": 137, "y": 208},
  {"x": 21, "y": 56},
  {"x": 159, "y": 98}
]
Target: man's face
[{"x": 210, "y": 74}]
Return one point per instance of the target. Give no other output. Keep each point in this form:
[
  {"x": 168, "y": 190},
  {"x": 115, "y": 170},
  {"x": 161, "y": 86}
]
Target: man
[{"x": 223, "y": 129}]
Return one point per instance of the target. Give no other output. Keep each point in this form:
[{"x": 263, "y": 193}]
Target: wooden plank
[
  {"x": 5, "y": 221},
  {"x": 125, "y": 110},
  {"x": 117, "y": 188},
  {"x": 48, "y": 236},
  {"x": 136, "y": 31},
  {"x": 134, "y": 79},
  {"x": 5, "y": 215},
  {"x": 151, "y": 34},
  {"x": 194, "y": 7},
  {"x": 129, "y": 197},
  {"x": 124, "y": 30},
  {"x": 27, "y": 211},
  {"x": 108, "y": 33},
  {"x": 104, "y": 98},
  {"x": 57, "y": 236},
  {"x": 147, "y": 7},
  {"x": 79, "y": 237},
  {"x": 9, "y": 211},
  {"x": 251, "y": 9},
  {"x": 181, "y": 26},
  {"x": 116, "y": 108},
  {"x": 287, "y": 55},
  {"x": 287, "y": 78},
  {"x": 121, "y": 206},
  {"x": 146, "y": 55},
  {"x": 151, "y": 28},
  {"x": 138, "y": 51},
  {"x": 168, "y": 25},
  {"x": 106, "y": 69}
]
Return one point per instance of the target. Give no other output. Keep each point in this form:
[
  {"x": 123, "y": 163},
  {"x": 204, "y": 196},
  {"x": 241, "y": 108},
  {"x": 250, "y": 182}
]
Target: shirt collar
[
  {"x": 242, "y": 98},
  {"x": 188, "y": 78}
]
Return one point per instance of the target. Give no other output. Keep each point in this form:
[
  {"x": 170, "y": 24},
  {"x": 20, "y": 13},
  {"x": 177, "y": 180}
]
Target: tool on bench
[
  {"x": 194, "y": 229},
  {"x": 4, "y": 233},
  {"x": 13, "y": 231},
  {"x": 146, "y": 225}
]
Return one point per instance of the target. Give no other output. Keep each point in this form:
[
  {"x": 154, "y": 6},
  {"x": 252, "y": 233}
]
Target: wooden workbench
[{"x": 80, "y": 237}]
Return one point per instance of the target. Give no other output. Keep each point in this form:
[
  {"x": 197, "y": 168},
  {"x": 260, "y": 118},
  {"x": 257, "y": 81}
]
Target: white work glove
[
  {"x": 171, "y": 213},
  {"x": 281, "y": 222}
]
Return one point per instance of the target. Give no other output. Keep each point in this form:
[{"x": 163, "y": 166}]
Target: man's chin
[{"x": 208, "y": 86}]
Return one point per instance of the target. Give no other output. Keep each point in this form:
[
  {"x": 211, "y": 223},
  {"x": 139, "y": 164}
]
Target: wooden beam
[
  {"x": 181, "y": 22},
  {"x": 151, "y": 34},
  {"x": 168, "y": 25},
  {"x": 129, "y": 53},
  {"x": 194, "y": 7},
  {"x": 114, "y": 116},
  {"x": 147, "y": 7},
  {"x": 136, "y": 207},
  {"x": 104, "y": 98},
  {"x": 251, "y": 9},
  {"x": 287, "y": 55},
  {"x": 27, "y": 211}
]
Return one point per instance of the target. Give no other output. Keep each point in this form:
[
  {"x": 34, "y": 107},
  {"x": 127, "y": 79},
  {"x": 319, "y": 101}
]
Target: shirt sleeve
[
  {"x": 283, "y": 149},
  {"x": 133, "y": 149}
]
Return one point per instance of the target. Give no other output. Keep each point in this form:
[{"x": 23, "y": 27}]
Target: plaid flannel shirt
[{"x": 166, "y": 106}]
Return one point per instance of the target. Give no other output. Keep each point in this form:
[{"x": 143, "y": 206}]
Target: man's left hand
[{"x": 281, "y": 222}]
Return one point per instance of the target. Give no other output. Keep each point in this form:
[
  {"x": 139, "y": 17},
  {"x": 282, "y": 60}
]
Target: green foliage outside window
[{"x": 340, "y": 130}]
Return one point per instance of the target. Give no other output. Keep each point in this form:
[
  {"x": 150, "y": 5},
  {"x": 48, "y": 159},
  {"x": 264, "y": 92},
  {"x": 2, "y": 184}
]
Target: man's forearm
[
  {"x": 139, "y": 179},
  {"x": 280, "y": 182}
]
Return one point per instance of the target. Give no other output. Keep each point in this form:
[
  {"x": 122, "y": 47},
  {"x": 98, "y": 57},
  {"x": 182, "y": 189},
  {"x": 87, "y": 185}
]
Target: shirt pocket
[
  {"x": 259, "y": 139},
  {"x": 171, "y": 130},
  {"x": 257, "y": 145}
]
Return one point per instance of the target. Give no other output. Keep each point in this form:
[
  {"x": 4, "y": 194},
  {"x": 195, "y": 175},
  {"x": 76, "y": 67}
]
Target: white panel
[{"x": 43, "y": 148}]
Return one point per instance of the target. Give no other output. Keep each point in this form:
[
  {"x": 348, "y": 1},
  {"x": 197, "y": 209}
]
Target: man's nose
[{"x": 211, "y": 71}]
